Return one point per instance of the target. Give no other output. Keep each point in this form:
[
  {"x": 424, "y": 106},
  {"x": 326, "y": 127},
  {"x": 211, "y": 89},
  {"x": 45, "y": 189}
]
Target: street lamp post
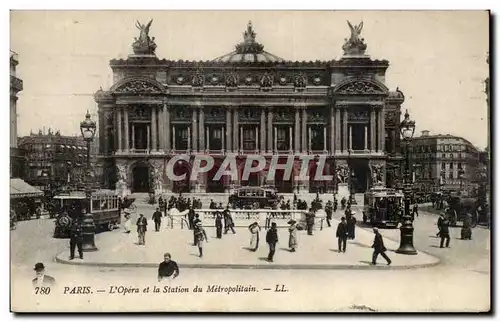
[
  {"x": 406, "y": 242},
  {"x": 88, "y": 129},
  {"x": 352, "y": 197},
  {"x": 461, "y": 174}
]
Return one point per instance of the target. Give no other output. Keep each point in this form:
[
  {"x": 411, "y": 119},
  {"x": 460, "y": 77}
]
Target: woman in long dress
[
  {"x": 292, "y": 240},
  {"x": 128, "y": 223}
]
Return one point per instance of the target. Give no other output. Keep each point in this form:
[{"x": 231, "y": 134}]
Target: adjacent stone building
[
  {"x": 248, "y": 102},
  {"x": 444, "y": 162},
  {"x": 16, "y": 85}
]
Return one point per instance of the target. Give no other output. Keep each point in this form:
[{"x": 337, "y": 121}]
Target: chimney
[{"x": 425, "y": 133}]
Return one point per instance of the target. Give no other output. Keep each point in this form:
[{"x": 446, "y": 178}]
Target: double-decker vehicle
[
  {"x": 383, "y": 207},
  {"x": 254, "y": 198},
  {"x": 104, "y": 207}
]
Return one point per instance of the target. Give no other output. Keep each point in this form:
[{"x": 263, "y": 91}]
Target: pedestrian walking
[
  {"x": 128, "y": 223},
  {"x": 76, "y": 239},
  {"x": 342, "y": 235},
  {"x": 351, "y": 225},
  {"x": 335, "y": 205},
  {"x": 228, "y": 221},
  {"x": 310, "y": 222},
  {"x": 142, "y": 224},
  {"x": 201, "y": 237},
  {"x": 292, "y": 240},
  {"x": 329, "y": 211},
  {"x": 168, "y": 269},
  {"x": 254, "y": 229},
  {"x": 191, "y": 215},
  {"x": 272, "y": 240},
  {"x": 379, "y": 248},
  {"x": 157, "y": 219},
  {"x": 195, "y": 224},
  {"x": 466, "y": 231},
  {"x": 218, "y": 225},
  {"x": 415, "y": 210},
  {"x": 440, "y": 221},
  {"x": 444, "y": 233}
]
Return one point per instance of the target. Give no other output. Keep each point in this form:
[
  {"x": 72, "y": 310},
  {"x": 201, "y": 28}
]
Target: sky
[{"x": 437, "y": 58}]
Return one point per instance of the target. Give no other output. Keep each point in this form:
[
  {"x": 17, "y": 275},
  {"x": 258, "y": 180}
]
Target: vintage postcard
[{"x": 250, "y": 161}]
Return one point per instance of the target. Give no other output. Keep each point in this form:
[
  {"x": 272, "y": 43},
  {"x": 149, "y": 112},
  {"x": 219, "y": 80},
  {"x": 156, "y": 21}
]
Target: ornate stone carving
[
  {"x": 198, "y": 79},
  {"x": 354, "y": 45},
  {"x": 249, "y": 45},
  {"x": 391, "y": 118},
  {"x": 315, "y": 116},
  {"x": 360, "y": 87},
  {"x": 215, "y": 114},
  {"x": 181, "y": 114},
  {"x": 138, "y": 87},
  {"x": 342, "y": 173},
  {"x": 282, "y": 80},
  {"x": 232, "y": 80},
  {"x": 266, "y": 81},
  {"x": 300, "y": 80},
  {"x": 156, "y": 169},
  {"x": 248, "y": 80},
  {"x": 378, "y": 174},
  {"x": 140, "y": 112},
  {"x": 144, "y": 45},
  {"x": 358, "y": 115},
  {"x": 249, "y": 115},
  {"x": 214, "y": 79},
  {"x": 282, "y": 115},
  {"x": 317, "y": 80},
  {"x": 180, "y": 80}
]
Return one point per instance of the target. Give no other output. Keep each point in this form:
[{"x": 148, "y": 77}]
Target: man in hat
[
  {"x": 157, "y": 219},
  {"x": 440, "y": 221},
  {"x": 228, "y": 221},
  {"x": 379, "y": 248},
  {"x": 329, "y": 211},
  {"x": 200, "y": 237},
  {"x": 342, "y": 234},
  {"x": 142, "y": 227},
  {"x": 272, "y": 240},
  {"x": 254, "y": 236},
  {"x": 167, "y": 269},
  {"x": 444, "y": 232},
  {"x": 41, "y": 279},
  {"x": 76, "y": 239},
  {"x": 196, "y": 221},
  {"x": 310, "y": 221},
  {"x": 218, "y": 224}
]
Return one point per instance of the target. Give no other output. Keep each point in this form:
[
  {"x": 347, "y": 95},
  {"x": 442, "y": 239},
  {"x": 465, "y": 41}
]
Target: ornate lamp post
[
  {"x": 352, "y": 179},
  {"x": 406, "y": 244},
  {"x": 88, "y": 129}
]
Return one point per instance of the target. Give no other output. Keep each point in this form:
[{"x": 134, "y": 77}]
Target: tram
[
  {"x": 254, "y": 198},
  {"x": 383, "y": 207}
]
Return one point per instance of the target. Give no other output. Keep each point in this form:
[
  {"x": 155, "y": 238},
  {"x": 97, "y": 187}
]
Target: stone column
[
  {"x": 256, "y": 139},
  {"x": 207, "y": 134},
  {"x": 127, "y": 142},
  {"x": 173, "y": 137},
  {"x": 148, "y": 136},
  {"x": 166, "y": 114},
  {"x": 119, "y": 125},
  {"x": 366, "y": 138},
  {"x": 236, "y": 131},
  {"x": 105, "y": 133},
  {"x": 350, "y": 137},
  {"x": 372, "y": 131},
  {"x": 229, "y": 130},
  {"x": 154, "y": 135},
  {"x": 189, "y": 138},
  {"x": 338, "y": 143},
  {"x": 194, "y": 132},
  {"x": 304, "y": 130},
  {"x": 263, "y": 130},
  {"x": 223, "y": 139},
  {"x": 379, "y": 131},
  {"x": 133, "y": 136},
  {"x": 270, "y": 145},
  {"x": 161, "y": 129},
  {"x": 201, "y": 130},
  {"x": 332, "y": 131},
  {"x": 324, "y": 139},
  {"x": 291, "y": 138},
  {"x": 240, "y": 141},
  {"x": 393, "y": 140},
  {"x": 297, "y": 129},
  {"x": 309, "y": 137},
  {"x": 382, "y": 126},
  {"x": 275, "y": 143},
  {"x": 345, "y": 133}
]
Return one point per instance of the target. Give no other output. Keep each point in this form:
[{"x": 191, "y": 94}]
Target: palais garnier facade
[{"x": 248, "y": 102}]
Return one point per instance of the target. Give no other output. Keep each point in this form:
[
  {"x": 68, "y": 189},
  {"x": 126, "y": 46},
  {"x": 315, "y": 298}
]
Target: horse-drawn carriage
[{"x": 461, "y": 209}]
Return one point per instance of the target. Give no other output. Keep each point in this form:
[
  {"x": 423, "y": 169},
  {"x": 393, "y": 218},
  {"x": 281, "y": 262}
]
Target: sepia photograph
[{"x": 250, "y": 161}]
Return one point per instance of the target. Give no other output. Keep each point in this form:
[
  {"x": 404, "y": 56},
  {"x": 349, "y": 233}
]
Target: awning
[{"x": 20, "y": 189}]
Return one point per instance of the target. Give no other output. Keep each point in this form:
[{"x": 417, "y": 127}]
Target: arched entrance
[
  {"x": 361, "y": 174},
  {"x": 182, "y": 186},
  {"x": 140, "y": 178}
]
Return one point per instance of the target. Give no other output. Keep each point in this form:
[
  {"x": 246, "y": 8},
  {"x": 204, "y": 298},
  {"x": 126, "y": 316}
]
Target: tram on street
[
  {"x": 383, "y": 207},
  {"x": 254, "y": 198},
  {"x": 104, "y": 207}
]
